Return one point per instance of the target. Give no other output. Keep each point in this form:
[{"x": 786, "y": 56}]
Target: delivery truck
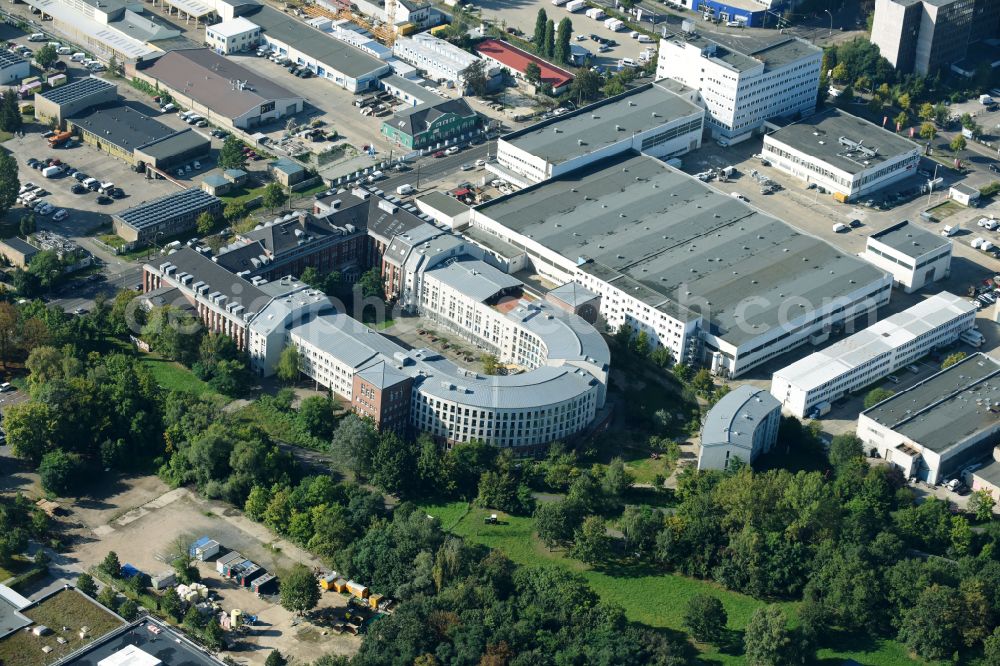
[
  {"x": 59, "y": 139},
  {"x": 613, "y": 24},
  {"x": 575, "y": 5},
  {"x": 595, "y": 13}
]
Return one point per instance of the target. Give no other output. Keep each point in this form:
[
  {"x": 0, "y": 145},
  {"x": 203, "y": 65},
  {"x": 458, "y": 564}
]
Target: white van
[
  {"x": 627, "y": 62},
  {"x": 405, "y": 189},
  {"x": 51, "y": 171},
  {"x": 64, "y": 50},
  {"x": 645, "y": 39},
  {"x": 184, "y": 115},
  {"x": 37, "y": 37},
  {"x": 167, "y": 108},
  {"x": 78, "y": 56},
  {"x": 949, "y": 231}
]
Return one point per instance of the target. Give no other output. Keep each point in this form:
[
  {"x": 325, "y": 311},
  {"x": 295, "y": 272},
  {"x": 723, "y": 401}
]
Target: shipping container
[
  {"x": 230, "y": 569},
  {"x": 245, "y": 574},
  {"x": 326, "y": 582},
  {"x": 56, "y": 80},
  {"x": 225, "y": 560},
  {"x": 204, "y": 549},
  {"x": 357, "y": 589},
  {"x": 264, "y": 584},
  {"x": 340, "y": 585},
  {"x": 163, "y": 580},
  {"x": 374, "y": 600}
]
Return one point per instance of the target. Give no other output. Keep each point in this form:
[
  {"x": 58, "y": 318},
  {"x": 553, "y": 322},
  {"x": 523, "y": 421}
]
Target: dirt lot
[{"x": 142, "y": 519}]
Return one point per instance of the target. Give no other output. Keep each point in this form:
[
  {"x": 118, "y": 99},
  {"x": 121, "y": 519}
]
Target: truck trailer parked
[{"x": 575, "y": 5}]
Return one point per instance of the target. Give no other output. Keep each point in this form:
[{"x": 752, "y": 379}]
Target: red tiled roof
[{"x": 518, "y": 59}]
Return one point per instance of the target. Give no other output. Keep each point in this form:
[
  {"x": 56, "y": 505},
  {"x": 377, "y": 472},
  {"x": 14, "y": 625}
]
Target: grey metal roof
[
  {"x": 382, "y": 375},
  {"x": 572, "y": 294},
  {"x": 22, "y": 246},
  {"x": 121, "y": 126},
  {"x": 215, "y": 180},
  {"x": 989, "y": 472},
  {"x": 948, "y": 407},
  {"x": 733, "y": 419},
  {"x": 595, "y": 127},
  {"x": 411, "y": 88},
  {"x": 248, "y": 257},
  {"x": 203, "y": 269},
  {"x": 748, "y": 49},
  {"x": 965, "y": 189},
  {"x": 287, "y": 165},
  {"x": 440, "y": 201},
  {"x": 11, "y": 619},
  {"x": 909, "y": 239},
  {"x": 167, "y": 645},
  {"x": 820, "y": 136},
  {"x": 167, "y": 207},
  {"x": 77, "y": 90},
  {"x": 491, "y": 242},
  {"x": 473, "y": 278},
  {"x": 179, "y": 143},
  {"x": 343, "y": 57},
  {"x": 666, "y": 239},
  {"x": 207, "y": 77}
]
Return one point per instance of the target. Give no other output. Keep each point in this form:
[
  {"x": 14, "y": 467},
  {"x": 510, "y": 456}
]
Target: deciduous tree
[
  {"x": 705, "y": 618},
  {"x": 299, "y": 590}
]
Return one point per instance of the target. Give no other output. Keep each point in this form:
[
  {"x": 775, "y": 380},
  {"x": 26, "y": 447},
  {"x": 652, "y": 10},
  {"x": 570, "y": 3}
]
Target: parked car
[
  {"x": 438, "y": 154},
  {"x": 104, "y": 200},
  {"x": 453, "y": 150},
  {"x": 80, "y": 176},
  {"x": 78, "y": 189},
  {"x": 117, "y": 193},
  {"x": 60, "y": 215}
]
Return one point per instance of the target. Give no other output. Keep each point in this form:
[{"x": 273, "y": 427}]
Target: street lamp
[{"x": 831, "y": 21}]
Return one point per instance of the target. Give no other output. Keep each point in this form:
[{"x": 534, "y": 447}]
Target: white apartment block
[
  {"x": 659, "y": 119},
  {"x": 915, "y": 257},
  {"x": 868, "y": 356},
  {"x": 440, "y": 60},
  {"x": 844, "y": 154},
  {"x": 744, "y": 81},
  {"x": 234, "y": 36}
]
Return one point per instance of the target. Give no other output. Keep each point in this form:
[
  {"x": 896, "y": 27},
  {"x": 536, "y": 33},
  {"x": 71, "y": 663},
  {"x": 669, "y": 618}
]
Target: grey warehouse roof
[
  {"x": 572, "y": 294},
  {"x": 909, "y": 239},
  {"x": 832, "y": 136},
  {"x": 8, "y": 59},
  {"x": 218, "y": 279},
  {"x": 473, "y": 278},
  {"x": 746, "y": 50},
  {"x": 345, "y": 58},
  {"x": 667, "y": 239},
  {"x": 592, "y": 128},
  {"x": 444, "y": 203},
  {"x": 176, "y": 144},
  {"x": 77, "y": 90},
  {"x": 122, "y": 126},
  {"x": 948, "y": 407},
  {"x": 207, "y": 77},
  {"x": 22, "y": 246},
  {"x": 733, "y": 419},
  {"x": 168, "y": 207}
]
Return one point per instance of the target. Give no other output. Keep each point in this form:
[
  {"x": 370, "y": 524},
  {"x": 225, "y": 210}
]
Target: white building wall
[
  {"x": 13, "y": 74},
  {"x": 911, "y": 273},
  {"x": 438, "y": 58},
  {"x": 232, "y": 43},
  {"x": 327, "y": 71}
]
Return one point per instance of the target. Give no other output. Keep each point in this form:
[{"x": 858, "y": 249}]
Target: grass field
[
  {"x": 647, "y": 595},
  {"x": 67, "y": 608},
  {"x": 174, "y": 376}
]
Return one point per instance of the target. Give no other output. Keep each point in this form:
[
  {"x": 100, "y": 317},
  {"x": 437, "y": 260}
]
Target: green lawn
[
  {"x": 174, "y": 376},
  {"x": 648, "y": 595}
]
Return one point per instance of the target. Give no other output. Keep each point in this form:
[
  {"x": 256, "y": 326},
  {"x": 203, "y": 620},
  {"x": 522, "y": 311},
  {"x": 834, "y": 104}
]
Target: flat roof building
[
  {"x": 328, "y": 58},
  {"x": 700, "y": 272},
  {"x": 933, "y": 429},
  {"x": 846, "y": 155},
  {"x": 222, "y": 90},
  {"x": 17, "y": 251},
  {"x": 915, "y": 257},
  {"x": 234, "y": 36},
  {"x": 164, "y": 217},
  {"x": 13, "y": 68},
  {"x": 743, "y": 425},
  {"x": 651, "y": 118},
  {"x": 869, "y": 355},
  {"x": 73, "y": 98},
  {"x": 744, "y": 79},
  {"x": 133, "y": 137},
  {"x": 441, "y": 60},
  {"x": 515, "y": 61}
]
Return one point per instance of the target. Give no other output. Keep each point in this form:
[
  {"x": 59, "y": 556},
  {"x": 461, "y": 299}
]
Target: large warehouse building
[
  {"x": 744, "y": 80},
  {"x": 915, "y": 257},
  {"x": 934, "y": 429},
  {"x": 58, "y": 104},
  {"x": 844, "y": 154},
  {"x": 164, "y": 217},
  {"x": 133, "y": 137},
  {"x": 868, "y": 356},
  {"x": 652, "y": 118},
  {"x": 220, "y": 89},
  {"x": 703, "y": 274}
]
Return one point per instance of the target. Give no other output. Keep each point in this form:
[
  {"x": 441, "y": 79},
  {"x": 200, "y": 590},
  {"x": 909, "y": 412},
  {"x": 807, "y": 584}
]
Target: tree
[
  {"x": 171, "y": 604},
  {"x": 371, "y": 284},
  {"x": 275, "y": 658},
  {"x": 901, "y": 119},
  {"x": 640, "y": 525},
  {"x": 767, "y": 640},
  {"x": 957, "y": 144},
  {"x": 490, "y": 363},
  {"x": 234, "y": 210},
  {"x": 952, "y": 359},
  {"x": 9, "y": 184},
  {"x": 288, "y": 365},
  {"x": 9, "y": 322},
  {"x": 27, "y": 225},
  {"x": 617, "y": 479},
  {"x": 591, "y": 541},
  {"x": 904, "y": 102},
  {"x": 876, "y": 396},
  {"x": 231, "y": 154},
  {"x": 213, "y": 635},
  {"x": 926, "y": 111},
  {"x": 316, "y": 415},
  {"x": 932, "y": 627},
  {"x": 274, "y": 196},
  {"x": 108, "y": 597},
  {"x": 991, "y": 649},
  {"x": 476, "y": 78},
  {"x": 532, "y": 72},
  {"x": 550, "y": 38},
  {"x": 111, "y": 565},
  {"x": 299, "y": 590},
  {"x": 205, "y": 223},
  {"x": 928, "y": 131},
  {"x": 128, "y": 610},
  {"x": 538, "y": 37},
  {"x": 840, "y": 73},
  {"x": 85, "y": 583},
  {"x": 58, "y": 472},
  {"x": 981, "y": 505},
  {"x": 46, "y": 56},
  {"x": 10, "y": 112},
  {"x": 705, "y": 618},
  {"x": 555, "y": 522},
  {"x": 564, "y": 33},
  {"x": 585, "y": 86},
  {"x": 844, "y": 449}
]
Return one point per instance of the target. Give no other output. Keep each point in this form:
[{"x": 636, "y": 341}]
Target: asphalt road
[{"x": 429, "y": 169}]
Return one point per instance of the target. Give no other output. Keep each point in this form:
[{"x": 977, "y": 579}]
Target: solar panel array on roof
[
  {"x": 8, "y": 59},
  {"x": 77, "y": 90},
  {"x": 168, "y": 207}
]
